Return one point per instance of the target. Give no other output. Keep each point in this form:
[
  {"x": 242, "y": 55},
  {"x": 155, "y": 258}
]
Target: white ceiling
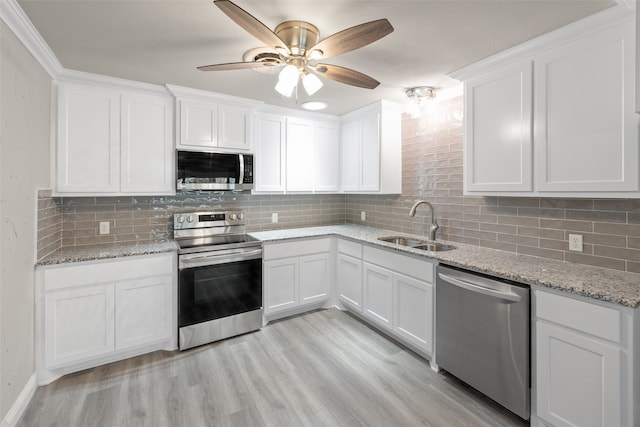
[{"x": 163, "y": 41}]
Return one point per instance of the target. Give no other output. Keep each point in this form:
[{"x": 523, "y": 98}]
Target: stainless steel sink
[{"x": 425, "y": 245}]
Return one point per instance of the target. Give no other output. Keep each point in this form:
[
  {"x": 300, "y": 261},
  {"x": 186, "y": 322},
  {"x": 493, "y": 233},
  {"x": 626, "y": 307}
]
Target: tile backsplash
[{"x": 431, "y": 170}]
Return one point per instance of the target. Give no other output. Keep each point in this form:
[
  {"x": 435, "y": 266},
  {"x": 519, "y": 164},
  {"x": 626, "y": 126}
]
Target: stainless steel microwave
[{"x": 214, "y": 171}]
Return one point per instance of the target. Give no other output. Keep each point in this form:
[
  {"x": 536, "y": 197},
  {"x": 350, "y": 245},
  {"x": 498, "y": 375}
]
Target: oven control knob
[
  {"x": 232, "y": 217},
  {"x": 180, "y": 219},
  {"x": 240, "y": 216},
  {"x": 190, "y": 218}
]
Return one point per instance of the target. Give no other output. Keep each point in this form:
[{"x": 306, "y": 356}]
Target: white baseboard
[{"x": 20, "y": 405}]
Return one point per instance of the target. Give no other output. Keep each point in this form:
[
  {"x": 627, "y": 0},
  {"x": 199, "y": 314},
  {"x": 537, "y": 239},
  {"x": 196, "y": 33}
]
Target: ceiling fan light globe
[
  {"x": 311, "y": 83},
  {"x": 289, "y": 75},
  {"x": 284, "y": 89}
]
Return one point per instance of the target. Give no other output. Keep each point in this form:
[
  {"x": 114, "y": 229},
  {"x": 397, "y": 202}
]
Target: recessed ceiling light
[{"x": 314, "y": 105}]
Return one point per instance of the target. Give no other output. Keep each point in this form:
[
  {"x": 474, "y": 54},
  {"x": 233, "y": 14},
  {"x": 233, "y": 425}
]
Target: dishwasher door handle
[{"x": 507, "y": 296}]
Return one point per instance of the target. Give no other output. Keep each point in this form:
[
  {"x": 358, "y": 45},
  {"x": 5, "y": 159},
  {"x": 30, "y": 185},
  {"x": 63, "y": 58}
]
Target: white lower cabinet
[
  {"x": 90, "y": 313},
  {"x": 584, "y": 363},
  {"x": 296, "y": 274},
  {"x": 378, "y": 294},
  {"x": 349, "y": 274},
  {"x": 398, "y": 295}
]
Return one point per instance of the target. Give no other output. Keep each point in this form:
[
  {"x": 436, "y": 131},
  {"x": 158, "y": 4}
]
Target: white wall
[{"x": 25, "y": 100}]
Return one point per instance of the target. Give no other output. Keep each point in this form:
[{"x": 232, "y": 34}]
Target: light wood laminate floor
[{"x": 324, "y": 368}]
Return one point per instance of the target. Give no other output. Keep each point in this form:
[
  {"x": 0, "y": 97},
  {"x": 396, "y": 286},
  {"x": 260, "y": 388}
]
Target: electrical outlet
[
  {"x": 104, "y": 227},
  {"x": 363, "y": 216},
  {"x": 274, "y": 217},
  {"x": 575, "y": 242}
]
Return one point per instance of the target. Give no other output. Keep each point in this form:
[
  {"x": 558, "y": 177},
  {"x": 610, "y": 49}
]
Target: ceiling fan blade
[
  {"x": 346, "y": 76},
  {"x": 235, "y": 66},
  {"x": 250, "y": 24},
  {"x": 353, "y": 38}
]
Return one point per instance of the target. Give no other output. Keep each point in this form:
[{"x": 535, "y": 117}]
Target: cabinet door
[
  {"x": 280, "y": 285},
  {"x": 587, "y": 141},
  {"x": 78, "y": 324},
  {"x": 143, "y": 311},
  {"x": 370, "y": 160},
  {"x": 198, "y": 124},
  {"x": 498, "y": 130},
  {"x": 88, "y": 157},
  {"x": 300, "y": 155},
  {"x": 270, "y": 153},
  {"x": 378, "y": 294},
  {"x": 578, "y": 379},
  {"x": 327, "y": 158},
  {"x": 413, "y": 311},
  {"x": 234, "y": 127},
  {"x": 147, "y": 160},
  {"x": 349, "y": 280},
  {"x": 351, "y": 156},
  {"x": 315, "y": 282}
]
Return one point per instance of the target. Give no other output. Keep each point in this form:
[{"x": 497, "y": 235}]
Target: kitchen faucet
[{"x": 434, "y": 225}]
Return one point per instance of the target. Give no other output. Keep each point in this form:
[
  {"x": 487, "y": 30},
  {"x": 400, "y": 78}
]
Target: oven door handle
[{"x": 200, "y": 260}]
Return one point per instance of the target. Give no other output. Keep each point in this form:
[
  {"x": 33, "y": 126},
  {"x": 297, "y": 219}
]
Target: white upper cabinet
[
  {"x": 498, "y": 109},
  {"x": 297, "y": 153},
  {"x": 212, "y": 122},
  {"x": 587, "y": 140},
  {"x": 568, "y": 127},
  {"x": 270, "y": 153},
  {"x": 112, "y": 141},
  {"x": 147, "y": 144},
  {"x": 371, "y": 150},
  {"x": 88, "y": 143}
]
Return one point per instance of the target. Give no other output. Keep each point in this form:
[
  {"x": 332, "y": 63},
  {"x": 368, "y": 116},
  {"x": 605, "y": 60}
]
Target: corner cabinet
[
  {"x": 211, "y": 121},
  {"x": 371, "y": 150},
  {"x": 96, "y": 312},
  {"x": 111, "y": 141},
  {"x": 534, "y": 128},
  {"x": 585, "y": 363}
]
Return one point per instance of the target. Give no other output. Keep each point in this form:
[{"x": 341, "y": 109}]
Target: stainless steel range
[{"x": 220, "y": 277}]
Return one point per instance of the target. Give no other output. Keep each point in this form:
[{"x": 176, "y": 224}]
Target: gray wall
[{"x": 25, "y": 99}]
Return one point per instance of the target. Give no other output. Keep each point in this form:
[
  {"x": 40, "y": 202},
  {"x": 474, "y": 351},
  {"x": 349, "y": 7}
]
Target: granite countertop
[
  {"x": 92, "y": 253},
  {"x": 599, "y": 283}
]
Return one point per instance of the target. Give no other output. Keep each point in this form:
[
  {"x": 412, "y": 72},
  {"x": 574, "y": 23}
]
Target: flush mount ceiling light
[
  {"x": 418, "y": 96},
  {"x": 296, "y": 46},
  {"x": 314, "y": 105}
]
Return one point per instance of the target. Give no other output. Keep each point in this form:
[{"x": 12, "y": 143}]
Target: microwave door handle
[
  {"x": 241, "y": 177},
  {"x": 507, "y": 296}
]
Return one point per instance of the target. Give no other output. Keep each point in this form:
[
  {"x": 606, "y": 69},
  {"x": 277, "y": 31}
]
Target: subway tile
[
  {"x": 566, "y": 203},
  {"x": 509, "y": 247},
  {"x": 518, "y": 240},
  {"x": 541, "y": 232},
  {"x": 604, "y": 239},
  {"x": 499, "y": 228},
  {"x": 627, "y": 205},
  {"x": 600, "y": 216},
  {"x": 569, "y": 225},
  {"x": 618, "y": 229},
  {"x": 540, "y": 252},
  {"x": 541, "y": 213},
  {"x": 633, "y": 267},
  {"x": 616, "y": 252},
  {"x": 516, "y": 220}
]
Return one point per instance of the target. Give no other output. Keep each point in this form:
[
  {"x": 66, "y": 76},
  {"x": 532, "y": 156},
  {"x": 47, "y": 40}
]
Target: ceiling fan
[{"x": 296, "y": 45}]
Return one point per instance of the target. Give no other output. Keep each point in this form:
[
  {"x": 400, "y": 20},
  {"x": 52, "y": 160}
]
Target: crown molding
[{"x": 14, "y": 17}]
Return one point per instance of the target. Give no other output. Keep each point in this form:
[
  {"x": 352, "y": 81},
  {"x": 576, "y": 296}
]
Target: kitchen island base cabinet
[
  {"x": 297, "y": 274},
  {"x": 585, "y": 368},
  {"x": 96, "y": 312}
]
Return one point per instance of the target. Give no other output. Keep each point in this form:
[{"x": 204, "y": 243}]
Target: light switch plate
[
  {"x": 274, "y": 217},
  {"x": 363, "y": 216}
]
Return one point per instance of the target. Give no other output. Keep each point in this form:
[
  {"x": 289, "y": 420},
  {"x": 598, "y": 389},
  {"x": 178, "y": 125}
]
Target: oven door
[{"x": 209, "y": 292}]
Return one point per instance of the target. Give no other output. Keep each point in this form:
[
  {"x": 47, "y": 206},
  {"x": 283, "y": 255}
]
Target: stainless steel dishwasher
[{"x": 482, "y": 335}]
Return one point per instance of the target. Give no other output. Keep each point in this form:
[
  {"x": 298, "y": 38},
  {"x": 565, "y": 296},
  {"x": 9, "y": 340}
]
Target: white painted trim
[
  {"x": 92, "y": 79},
  {"x": 591, "y": 24},
  {"x": 181, "y": 91},
  {"x": 14, "y": 17},
  {"x": 22, "y": 402}
]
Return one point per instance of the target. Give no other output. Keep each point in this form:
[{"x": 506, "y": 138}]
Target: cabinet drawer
[
  {"x": 296, "y": 248},
  {"x": 593, "y": 319},
  {"x": 402, "y": 263},
  {"x": 348, "y": 247},
  {"x": 108, "y": 271}
]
